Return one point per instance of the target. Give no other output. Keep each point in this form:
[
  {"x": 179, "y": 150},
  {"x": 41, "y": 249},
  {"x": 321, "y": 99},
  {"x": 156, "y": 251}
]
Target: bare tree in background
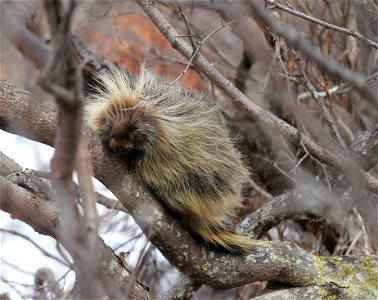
[{"x": 297, "y": 82}]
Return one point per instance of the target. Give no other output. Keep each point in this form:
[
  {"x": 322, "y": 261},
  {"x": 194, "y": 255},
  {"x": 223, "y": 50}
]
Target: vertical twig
[{"x": 323, "y": 108}]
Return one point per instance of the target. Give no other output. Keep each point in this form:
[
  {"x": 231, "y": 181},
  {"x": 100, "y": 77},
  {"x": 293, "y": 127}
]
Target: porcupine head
[{"x": 177, "y": 145}]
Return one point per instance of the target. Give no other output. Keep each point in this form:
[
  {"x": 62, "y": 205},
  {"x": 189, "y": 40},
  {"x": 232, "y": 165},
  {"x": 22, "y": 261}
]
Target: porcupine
[{"x": 177, "y": 144}]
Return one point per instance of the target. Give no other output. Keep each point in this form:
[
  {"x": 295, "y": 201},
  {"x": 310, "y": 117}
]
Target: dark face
[{"x": 127, "y": 139}]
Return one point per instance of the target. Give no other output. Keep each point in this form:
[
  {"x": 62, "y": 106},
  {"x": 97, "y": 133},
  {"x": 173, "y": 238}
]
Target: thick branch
[{"x": 26, "y": 207}]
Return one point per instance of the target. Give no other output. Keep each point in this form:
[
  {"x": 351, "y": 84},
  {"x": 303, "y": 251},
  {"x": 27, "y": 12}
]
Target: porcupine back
[{"x": 177, "y": 144}]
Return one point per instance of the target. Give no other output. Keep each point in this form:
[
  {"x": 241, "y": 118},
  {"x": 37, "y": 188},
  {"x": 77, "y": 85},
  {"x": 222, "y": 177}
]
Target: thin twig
[
  {"x": 298, "y": 163},
  {"x": 197, "y": 49},
  {"x": 323, "y": 108},
  {"x": 337, "y": 89},
  {"x": 217, "y": 50},
  {"x": 35, "y": 245},
  {"x": 189, "y": 33},
  {"x": 276, "y": 166},
  {"x": 365, "y": 236},
  {"x": 277, "y": 51},
  {"x": 353, "y": 243},
  {"x": 260, "y": 190}
]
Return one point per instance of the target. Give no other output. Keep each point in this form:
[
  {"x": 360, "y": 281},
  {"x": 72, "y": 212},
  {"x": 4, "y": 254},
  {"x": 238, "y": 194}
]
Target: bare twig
[
  {"x": 337, "y": 89},
  {"x": 258, "y": 189},
  {"x": 365, "y": 236},
  {"x": 325, "y": 112},
  {"x": 101, "y": 199},
  {"x": 189, "y": 33},
  {"x": 195, "y": 52},
  {"x": 298, "y": 163},
  {"x": 277, "y": 55},
  {"x": 110, "y": 203},
  {"x": 46, "y": 253}
]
